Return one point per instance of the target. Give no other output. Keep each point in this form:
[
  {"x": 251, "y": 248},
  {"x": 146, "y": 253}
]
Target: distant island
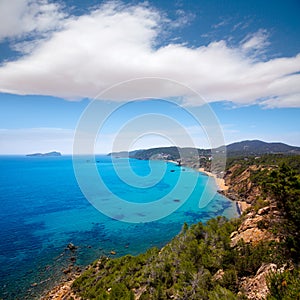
[{"x": 53, "y": 153}]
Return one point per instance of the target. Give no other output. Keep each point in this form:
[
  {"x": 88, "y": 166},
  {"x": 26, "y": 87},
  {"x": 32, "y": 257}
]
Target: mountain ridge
[
  {"x": 261, "y": 147},
  {"x": 242, "y": 148}
]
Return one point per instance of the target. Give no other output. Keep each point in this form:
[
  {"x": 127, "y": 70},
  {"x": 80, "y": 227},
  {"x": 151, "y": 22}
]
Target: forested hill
[
  {"x": 257, "y": 147},
  {"x": 244, "y": 148}
]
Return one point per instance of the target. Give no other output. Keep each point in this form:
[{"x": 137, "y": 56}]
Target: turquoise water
[{"x": 42, "y": 209}]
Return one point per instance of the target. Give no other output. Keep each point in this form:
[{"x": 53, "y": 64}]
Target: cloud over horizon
[{"x": 87, "y": 54}]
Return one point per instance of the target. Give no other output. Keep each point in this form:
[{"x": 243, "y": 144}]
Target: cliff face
[
  {"x": 260, "y": 214},
  {"x": 257, "y": 221},
  {"x": 241, "y": 187},
  {"x": 262, "y": 211},
  {"x": 255, "y": 228}
]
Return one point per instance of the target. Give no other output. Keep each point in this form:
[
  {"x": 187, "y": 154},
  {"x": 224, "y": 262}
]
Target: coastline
[
  {"x": 249, "y": 230},
  {"x": 172, "y": 162},
  {"x": 61, "y": 291},
  {"x": 222, "y": 187},
  {"x": 220, "y": 182},
  {"x": 64, "y": 290}
]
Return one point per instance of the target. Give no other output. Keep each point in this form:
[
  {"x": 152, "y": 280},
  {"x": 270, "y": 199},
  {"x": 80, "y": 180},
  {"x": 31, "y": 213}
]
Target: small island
[{"x": 53, "y": 153}]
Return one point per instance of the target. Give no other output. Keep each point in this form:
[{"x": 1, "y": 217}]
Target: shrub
[{"x": 284, "y": 286}]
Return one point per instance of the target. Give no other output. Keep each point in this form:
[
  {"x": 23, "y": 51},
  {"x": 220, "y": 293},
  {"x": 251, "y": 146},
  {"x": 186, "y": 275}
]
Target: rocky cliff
[
  {"x": 241, "y": 185},
  {"x": 260, "y": 216}
]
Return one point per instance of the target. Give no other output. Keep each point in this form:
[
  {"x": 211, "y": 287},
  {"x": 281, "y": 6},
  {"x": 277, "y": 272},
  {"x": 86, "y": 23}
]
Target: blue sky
[{"x": 242, "y": 57}]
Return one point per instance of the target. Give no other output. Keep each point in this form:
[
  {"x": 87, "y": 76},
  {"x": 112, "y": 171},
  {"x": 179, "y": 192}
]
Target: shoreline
[
  {"x": 220, "y": 182},
  {"x": 172, "y": 162},
  {"x": 241, "y": 206},
  {"x": 63, "y": 290}
]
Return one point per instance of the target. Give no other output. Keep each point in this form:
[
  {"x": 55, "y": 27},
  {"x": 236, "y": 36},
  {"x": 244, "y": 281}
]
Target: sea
[{"x": 43, "y": 208}]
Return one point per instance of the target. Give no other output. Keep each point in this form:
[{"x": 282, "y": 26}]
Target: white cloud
[
  {"x": 20, "y": 17},
  {"x": 183, "y": 18},
  {"x": 116, "y": 43},
  {"x": 256, "y": 41},
  {"x": 222, "y": 23}
]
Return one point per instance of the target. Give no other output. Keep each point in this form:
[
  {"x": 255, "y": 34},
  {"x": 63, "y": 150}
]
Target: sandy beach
[
  {"x": 219, "y": 181},
  {"x": 172, "y": 162}
]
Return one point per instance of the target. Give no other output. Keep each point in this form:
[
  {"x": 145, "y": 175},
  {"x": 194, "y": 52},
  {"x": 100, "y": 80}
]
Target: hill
[
  {"x": 256, "y": 147},
  {"x": 243, "y": 148},
  {"x": 53, "y": 153},
  {"x": 202, "y": 158}
]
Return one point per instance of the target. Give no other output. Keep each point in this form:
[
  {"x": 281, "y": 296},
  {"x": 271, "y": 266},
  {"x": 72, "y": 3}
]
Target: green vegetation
[
  {"x": 183, "y": 268},
  {"x": 186, "y": 268},
  {"x": 199, "y": 263},
  {"x": 279, "y": 178},
  {"x": 266, "y": 160},
  {"x": 172, "y": 153},
  {"x": 285, "y": 285}
]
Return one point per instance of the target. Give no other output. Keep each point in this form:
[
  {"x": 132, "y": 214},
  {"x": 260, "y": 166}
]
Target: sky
[{"x": 145, "y": 74}]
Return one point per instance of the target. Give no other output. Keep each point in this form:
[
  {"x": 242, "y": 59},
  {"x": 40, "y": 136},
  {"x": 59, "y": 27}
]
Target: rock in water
[{"x": 71, "y": 247}]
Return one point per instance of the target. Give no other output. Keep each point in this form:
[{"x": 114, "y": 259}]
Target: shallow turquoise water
[{"x": 42, "y": 209}]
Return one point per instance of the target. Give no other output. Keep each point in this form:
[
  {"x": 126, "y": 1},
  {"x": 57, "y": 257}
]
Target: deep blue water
[{"x": 42, "y": 209}]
